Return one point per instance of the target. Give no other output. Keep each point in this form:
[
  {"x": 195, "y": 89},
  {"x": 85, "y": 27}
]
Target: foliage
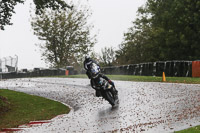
[
  {"x": 7, "y": 8},
  {"x": 65, "y": 36},
  {"x": 107, "y": 57},
  {"x": 95, "y": 56},
  {"x": 53, "y": 4},
  {"x": 164, "y": 30}
]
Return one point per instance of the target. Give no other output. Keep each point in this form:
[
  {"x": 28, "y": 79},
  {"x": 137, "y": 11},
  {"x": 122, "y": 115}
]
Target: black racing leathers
[{"x": 95, "y": 83}]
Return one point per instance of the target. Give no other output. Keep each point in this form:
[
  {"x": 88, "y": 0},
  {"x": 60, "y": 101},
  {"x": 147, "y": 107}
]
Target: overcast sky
[{"x": 111, "y": 18}]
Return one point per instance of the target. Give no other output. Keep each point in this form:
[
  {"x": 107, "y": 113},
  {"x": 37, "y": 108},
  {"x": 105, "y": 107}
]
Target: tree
[
  {"x": 7, "y": 8},
  {"x": 135, "y": 47},
  {"x": 107, "y": 56},
  {"x": 65, "y": 36},
  {"x": 164, "y": 30}
]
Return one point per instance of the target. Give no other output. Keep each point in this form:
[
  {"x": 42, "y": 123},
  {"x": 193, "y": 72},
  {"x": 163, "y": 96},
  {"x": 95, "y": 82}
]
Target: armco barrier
[
  {"x": 36, "y": 73},
  {"x": 171, "y": 68}
]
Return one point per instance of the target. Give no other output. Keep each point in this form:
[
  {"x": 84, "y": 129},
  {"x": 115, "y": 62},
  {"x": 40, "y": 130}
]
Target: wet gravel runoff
[{"x": 144, "y": 106}]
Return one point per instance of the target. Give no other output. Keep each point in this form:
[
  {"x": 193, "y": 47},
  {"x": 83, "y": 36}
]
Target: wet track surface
[{"x": 144, "y": 107}]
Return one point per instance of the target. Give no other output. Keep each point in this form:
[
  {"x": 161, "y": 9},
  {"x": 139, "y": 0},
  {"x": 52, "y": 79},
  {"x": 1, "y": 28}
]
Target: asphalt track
[{"x": 144, "y": 106}]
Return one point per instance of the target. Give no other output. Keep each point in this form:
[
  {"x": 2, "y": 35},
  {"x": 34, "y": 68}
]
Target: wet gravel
[{"x": 144, "y": 106}]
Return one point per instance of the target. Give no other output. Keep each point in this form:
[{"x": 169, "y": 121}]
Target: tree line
[{"x": 163, "y": 30}]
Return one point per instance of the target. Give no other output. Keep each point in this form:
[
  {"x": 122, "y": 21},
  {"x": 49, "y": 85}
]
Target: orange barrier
[
  {"x": 67, "y": 72},
  {"x": 196, "y": 69}
]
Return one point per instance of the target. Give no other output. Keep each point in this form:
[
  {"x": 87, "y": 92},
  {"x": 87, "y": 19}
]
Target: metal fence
[{"x": 9, "y": 64}]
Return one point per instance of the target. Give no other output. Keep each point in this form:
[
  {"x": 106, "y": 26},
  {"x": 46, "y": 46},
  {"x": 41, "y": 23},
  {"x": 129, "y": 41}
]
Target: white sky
[{"x": 111, "y": 18}]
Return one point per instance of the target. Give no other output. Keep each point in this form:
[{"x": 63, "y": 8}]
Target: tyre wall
[
  {"x": 171, "y": 68},
  {"x": 35, "y": 73}
]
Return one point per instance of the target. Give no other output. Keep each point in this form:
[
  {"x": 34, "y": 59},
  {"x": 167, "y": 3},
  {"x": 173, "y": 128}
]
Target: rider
[
  {"x": 95, "y": 81},
  {"x": 96, "y": 84}
]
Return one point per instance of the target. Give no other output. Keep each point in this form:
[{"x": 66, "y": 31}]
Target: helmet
[
  {"x": 95, "y": 70},
  {"x": 87, "y": 57}
]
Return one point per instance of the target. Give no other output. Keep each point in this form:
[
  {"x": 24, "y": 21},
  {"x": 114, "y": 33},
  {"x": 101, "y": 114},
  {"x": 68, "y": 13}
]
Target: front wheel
[{"x": 109, "y": 97}]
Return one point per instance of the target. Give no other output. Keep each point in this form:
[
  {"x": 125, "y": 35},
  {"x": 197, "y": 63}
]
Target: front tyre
[{"x": 109, "y": 97}]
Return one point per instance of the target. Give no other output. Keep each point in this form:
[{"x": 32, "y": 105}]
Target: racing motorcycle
[{"x": 106, "y": 90}]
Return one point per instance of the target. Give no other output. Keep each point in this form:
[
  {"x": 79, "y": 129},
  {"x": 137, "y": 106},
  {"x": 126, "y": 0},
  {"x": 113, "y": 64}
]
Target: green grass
[
  {"x": 190, "y": 130},
  {"x": 188, "y": 80},
  {"x": 20, "y": 108}
]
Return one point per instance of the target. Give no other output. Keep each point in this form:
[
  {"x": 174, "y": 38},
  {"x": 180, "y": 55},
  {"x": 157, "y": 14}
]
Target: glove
[{"x": 112, "y": 83}]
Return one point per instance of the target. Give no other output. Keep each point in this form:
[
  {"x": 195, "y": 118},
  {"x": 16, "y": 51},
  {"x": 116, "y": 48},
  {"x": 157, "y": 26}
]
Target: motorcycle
[{"x": 106, "y": 90}]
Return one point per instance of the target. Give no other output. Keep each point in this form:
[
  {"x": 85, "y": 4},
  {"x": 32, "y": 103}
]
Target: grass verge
[
  {"x": 17, "y": 108},
  {"x": 190, "y": 130},
  {"x": 187, "y": 80}
]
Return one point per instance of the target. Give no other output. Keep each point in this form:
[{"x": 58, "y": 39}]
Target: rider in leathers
[
  {"x": 96, "y": 84},
  {"x": 95, "y": 81}
]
